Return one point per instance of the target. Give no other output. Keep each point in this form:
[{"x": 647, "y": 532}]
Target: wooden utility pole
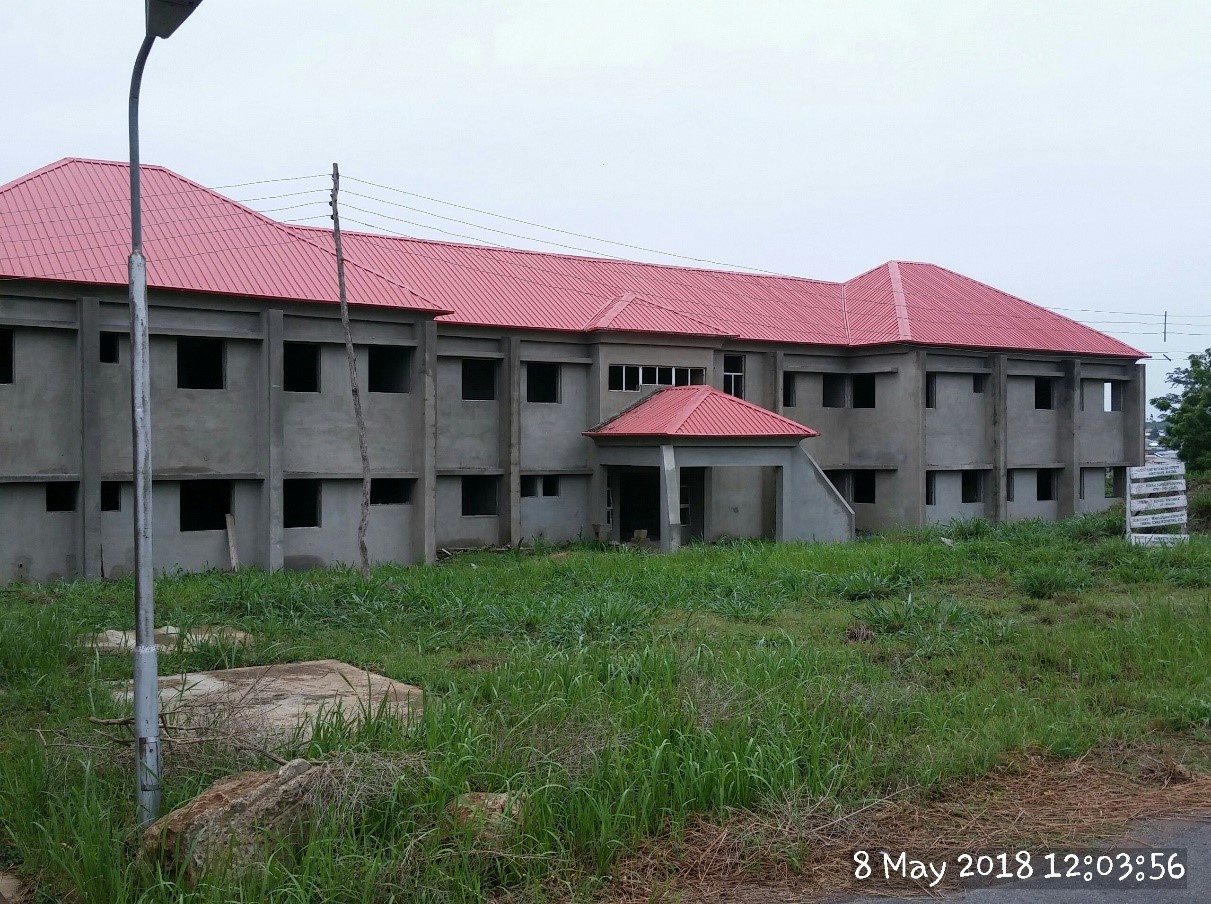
[{"x": 364, "y": 518}]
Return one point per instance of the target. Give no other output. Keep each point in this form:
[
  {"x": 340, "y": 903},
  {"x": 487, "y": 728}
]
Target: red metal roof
[
  {"x": 69, "y": 222},
  {"x": 698, "y": 411}
]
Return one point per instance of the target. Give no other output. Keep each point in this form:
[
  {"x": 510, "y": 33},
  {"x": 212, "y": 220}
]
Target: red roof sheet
[
  {"x": 69, "y": 222},
  {"x": 698, "y": 411}
]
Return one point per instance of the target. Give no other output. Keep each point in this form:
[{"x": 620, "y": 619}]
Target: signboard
[{"x": 1148, "y": 507}]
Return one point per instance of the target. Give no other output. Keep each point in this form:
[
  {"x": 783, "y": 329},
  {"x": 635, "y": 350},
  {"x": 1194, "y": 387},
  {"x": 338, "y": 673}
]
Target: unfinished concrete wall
[
  {"x": 388, "y": 533},
  {"x": 552, "y": 432},
  {"x": 957, "y": 427},
  {"x": 558, "y": 519},
  {"x": 816, "y": 512},
  {"x": 456, "y": 530},
  {"x": 1100, "y": 431},
  {"x": 1025, "y": 502},
  {"x": 948, "y": 503},
  {"x": 468, "y": 432},
  {"x": 35, "y": 545},
  {"x": 1032, "y": 433},
  {"x": 734, "y": 503},
  {"x": 41, "y": 435}
]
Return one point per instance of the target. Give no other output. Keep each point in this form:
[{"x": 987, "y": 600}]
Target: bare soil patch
[{"x": 803, "y": 853}]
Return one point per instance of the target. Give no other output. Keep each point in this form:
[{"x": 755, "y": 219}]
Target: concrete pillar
[
  {"x": 597, "y": 474},
  {"x": 997, "y": 407},
  {"x": 424, "y": 524},
  {"x": 770, "y": 493},
  {"x": 510, "y": 441},
  {"x": 1135, "y": 406},
  {"x": 911, "y": 478},
  {"x": 272, "y": 439},
  {"x": 781, "y": 483},
  {"x": 1068, "y": 411},
  {"x": 88, "y": 521},
  {"x": 670, "y": 500}
]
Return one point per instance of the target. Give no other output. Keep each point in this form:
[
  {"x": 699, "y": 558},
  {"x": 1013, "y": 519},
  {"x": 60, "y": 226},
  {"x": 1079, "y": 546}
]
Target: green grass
[{"x": 622, "y": 692}]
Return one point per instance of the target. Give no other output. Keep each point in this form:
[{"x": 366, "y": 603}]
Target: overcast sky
[{"x": 1058, "y": 150}]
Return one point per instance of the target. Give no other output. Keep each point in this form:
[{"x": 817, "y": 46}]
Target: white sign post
[{"x": 1156, "y": 497}]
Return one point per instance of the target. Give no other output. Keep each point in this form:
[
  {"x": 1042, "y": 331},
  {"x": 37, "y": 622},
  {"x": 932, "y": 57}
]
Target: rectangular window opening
[
  {"x": 1112, "y": 396},
  {"x": 863, "y": 390},
  {"x": 480, "y": 495},
  {"x": 390, "y": 490},
  {"x": 1044, "y": 396},
  {"x": 1116, "y": 482},
  {"x": 111, "y": 496},
  {"x": 615, "y": 384},
  {"x": 205, "y": 504},
  {"x": 697, "y": 376},
  {"x": 973, "y": 486},
  {"x": 301, "y": 502},
  {"x": 788, "y": 390},
  {"x": 931, "y": 390},
  {"x": 550, "y": 485},
  {"x": 864, "y": 487},
  {"x": 108, "y": 353},
  {"x": 201, "y": 362},
  {"x": 6, "y": 356},
  {"x": 1046, "y": 478},
  {"x": 300, "y": 367},
  {"x": 834, "y": 390},
  {"x": 733, "y": 375},
  {"x": 978, "y": 382},
  {"x": 61, "y": 496},
  {"x": 479, "y": 380},
  {"x": 542, "y": 382},
  {"x": 931, "y": 487},
  {"x": 1009, "y": 485},
  {"x": 649, "y": 375},
  {"x": 630, "y": 378},
  {"x": 841, "y": 483},
  {"x": 529, "y": 485},
  {"x": 609, "y": 507},
  {"x": 664, "y": 376},
  {"x": 388, "y": 367}
]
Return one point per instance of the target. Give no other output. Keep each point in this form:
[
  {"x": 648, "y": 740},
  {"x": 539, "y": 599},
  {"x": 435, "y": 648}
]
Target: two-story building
[{"x": 509, "y": 395}]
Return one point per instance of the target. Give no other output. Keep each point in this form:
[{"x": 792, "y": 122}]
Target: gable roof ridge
[
  {"x": 701, "y": 394},
  {"x": 903, "y": 326},
  {"x": 608, "y": 312}
]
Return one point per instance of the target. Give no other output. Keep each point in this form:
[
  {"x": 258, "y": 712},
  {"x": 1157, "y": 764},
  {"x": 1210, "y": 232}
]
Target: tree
[{"x": 1188, "y": 412}]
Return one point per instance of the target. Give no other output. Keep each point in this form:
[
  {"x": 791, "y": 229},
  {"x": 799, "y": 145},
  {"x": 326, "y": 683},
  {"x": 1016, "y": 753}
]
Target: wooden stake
[
  {"x": 364, "y": 519},
  {"x": 232, "y": 551}
]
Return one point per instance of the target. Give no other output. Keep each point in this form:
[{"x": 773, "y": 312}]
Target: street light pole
[{"x": 162, "y": 17}]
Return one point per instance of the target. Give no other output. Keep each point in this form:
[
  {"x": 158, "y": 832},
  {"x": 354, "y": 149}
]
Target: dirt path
[{"x": 1038, "y": 803}]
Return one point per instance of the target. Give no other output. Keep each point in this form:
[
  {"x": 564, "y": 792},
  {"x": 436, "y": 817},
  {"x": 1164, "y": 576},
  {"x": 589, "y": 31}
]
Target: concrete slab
[
  {"x": 278, "y": 700},
  {"x": 169, "y": 639}
]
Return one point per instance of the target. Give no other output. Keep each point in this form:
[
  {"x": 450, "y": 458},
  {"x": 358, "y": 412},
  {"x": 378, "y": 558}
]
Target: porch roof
[{"x": 698, "y": 412}]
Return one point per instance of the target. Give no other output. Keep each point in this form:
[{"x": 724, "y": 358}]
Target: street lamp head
[{"x": 163, "y": 16}]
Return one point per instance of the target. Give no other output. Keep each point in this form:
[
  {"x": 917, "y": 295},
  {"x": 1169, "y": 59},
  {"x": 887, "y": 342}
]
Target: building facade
[{"x": 491, "y": 379}]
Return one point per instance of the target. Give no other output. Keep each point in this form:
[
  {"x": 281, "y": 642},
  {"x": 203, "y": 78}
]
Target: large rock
[{"x": 236, "y": 821}]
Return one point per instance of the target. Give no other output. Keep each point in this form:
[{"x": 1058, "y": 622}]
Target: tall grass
[{"x": 619, "y": 692}]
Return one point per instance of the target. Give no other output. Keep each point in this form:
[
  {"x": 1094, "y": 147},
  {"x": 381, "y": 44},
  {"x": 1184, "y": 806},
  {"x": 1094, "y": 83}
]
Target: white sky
[{"x": 1058, "y": 150}]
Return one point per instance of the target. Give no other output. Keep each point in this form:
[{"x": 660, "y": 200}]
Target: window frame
[{"x": 734, "y": 365}]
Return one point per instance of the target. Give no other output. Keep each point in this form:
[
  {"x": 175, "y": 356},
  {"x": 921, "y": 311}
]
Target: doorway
[{"x": 638, "y": 503}]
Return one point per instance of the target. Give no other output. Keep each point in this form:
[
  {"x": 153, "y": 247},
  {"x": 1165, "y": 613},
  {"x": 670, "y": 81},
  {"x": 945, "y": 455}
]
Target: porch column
[{"x": 670, "y": 501}]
